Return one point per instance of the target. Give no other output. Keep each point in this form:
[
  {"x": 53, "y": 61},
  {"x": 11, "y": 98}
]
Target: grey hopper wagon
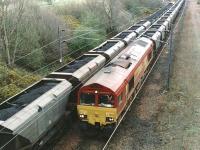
[
  {"x": 159, "y": 30},
  {"x": 176, "y": 10},
  {"x": 155, "y": 36},
  {"x": 80, "y": 69},
  {"x": 134, "y": 31},
  {"x": 173, "y": 12},
  {"x": 28, "y": 117},
  {"x": 160, "y": 12},
  {"x": 138, "y": 29},
  {"x": 127, "y": 36},
  {"x": 109, "y": 49},
  {"x": 142, "y": 25},
  {"x": 78, "y": 72},
  {"x": 168, "y": 18},
  {"x": 165, "y": 20}
]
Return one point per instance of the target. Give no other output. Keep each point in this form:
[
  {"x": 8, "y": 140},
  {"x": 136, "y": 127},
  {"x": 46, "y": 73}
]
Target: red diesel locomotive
[{"x": 102, "y": 100}]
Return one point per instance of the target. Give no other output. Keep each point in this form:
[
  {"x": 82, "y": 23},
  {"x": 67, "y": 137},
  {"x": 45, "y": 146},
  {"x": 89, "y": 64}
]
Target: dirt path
[
  {"x": 187, "y": 57},
  {"x": 169, "y": 121},
  {"x": 182, "y": 112}
]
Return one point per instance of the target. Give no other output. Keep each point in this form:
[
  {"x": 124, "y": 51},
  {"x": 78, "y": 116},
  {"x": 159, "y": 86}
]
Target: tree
[
  {"x": 8, "y": 27},
  {"x": 88, "y": 41},
  {"x": 109, "y": 7},
  {"x": 24, "y": 30},
  {"x": 111, "y": 13},
  {"x": 105, "y": 10},
  {"x": 50, "y": 2}
]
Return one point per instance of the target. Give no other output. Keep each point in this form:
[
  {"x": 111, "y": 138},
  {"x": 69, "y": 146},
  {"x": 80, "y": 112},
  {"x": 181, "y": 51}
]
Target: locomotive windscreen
[{"x": 20, "y": 101}]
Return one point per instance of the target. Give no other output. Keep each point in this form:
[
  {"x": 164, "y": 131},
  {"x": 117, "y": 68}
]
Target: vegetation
[
  {"x": 13, "y": 81},
  {"x": 29, "y": 39}
]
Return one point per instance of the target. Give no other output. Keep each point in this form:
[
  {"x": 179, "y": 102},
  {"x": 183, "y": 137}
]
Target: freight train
[
  {"x": 29, "y": 119},
  {"x": 103, "y": 99}
]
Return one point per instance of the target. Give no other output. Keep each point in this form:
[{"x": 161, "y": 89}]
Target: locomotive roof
[{"x": 116, "y": 72}]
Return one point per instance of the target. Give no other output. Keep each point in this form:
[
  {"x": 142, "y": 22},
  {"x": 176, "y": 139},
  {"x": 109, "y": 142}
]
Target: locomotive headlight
[
  {"x": 82, "y": 116},
  {"x": 109, "y": 119}
]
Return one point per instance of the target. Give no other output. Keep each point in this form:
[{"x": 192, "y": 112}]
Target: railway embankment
[{"x": 169, "y": 120}]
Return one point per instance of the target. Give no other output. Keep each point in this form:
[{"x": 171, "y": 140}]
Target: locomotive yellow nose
[{"x": 97, "y": 115}]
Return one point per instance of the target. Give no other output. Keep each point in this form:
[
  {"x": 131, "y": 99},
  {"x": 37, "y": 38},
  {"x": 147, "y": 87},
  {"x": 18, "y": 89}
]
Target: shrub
[
  {"x": 88, "y": 41},
  {"x": 13, "y": 81},
  {"x": 8, "y": 91}
]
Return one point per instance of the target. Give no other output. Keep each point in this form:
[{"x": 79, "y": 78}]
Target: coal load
[
  {"x": 106, "y": 46},
  {"x": 77, "y": 64},
  {"x": 15, "y": 104}
]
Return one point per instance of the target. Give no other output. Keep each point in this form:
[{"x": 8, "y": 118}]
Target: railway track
[{"x": 151, "y": 69}]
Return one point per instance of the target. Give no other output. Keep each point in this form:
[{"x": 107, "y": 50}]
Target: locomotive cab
[{"x": 97, "y": 105}]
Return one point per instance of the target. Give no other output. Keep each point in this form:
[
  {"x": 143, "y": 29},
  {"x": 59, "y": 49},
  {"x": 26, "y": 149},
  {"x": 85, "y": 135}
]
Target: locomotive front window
[
  {"x": 106, "y": 100},
  {"x": 87, "y": 99}
]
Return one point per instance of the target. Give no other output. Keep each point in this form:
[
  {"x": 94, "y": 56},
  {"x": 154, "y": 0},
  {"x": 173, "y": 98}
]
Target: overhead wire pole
[
  {"x": 170, "y": 56},
  {"x": 60, "y": 41},
  {"x": 59, "y": 44},
  {"x": 171, "y": 47}
]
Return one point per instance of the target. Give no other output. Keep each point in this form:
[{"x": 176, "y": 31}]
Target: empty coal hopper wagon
[{"x": 27, "y": 119}]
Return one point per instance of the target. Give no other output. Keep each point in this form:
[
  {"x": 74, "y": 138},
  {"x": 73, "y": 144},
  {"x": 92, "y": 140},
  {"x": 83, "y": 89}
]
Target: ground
[
  {"x": 161, "y": 120},
  {"x": 169, "y": 120}
]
